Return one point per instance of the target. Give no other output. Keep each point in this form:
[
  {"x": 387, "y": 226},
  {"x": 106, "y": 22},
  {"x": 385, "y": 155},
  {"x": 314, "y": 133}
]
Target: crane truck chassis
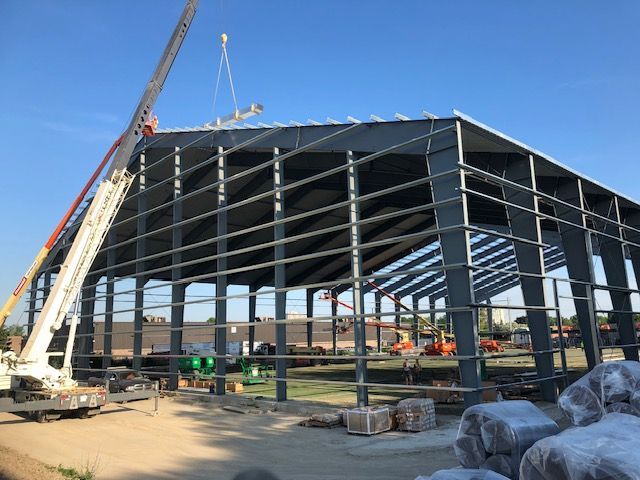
[{"x": 81, "y": 401}]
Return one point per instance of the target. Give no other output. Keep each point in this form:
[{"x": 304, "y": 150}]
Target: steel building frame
[{"x": 429, "y": 209}]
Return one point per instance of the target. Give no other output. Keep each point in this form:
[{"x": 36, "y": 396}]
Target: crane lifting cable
[{"x": 238, "y": 114}]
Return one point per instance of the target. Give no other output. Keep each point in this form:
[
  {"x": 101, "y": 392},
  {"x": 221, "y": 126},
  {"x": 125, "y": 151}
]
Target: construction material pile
[
  {"x": 605, "y": 450},
  {"x": 609, "y": 387},
  {"x": 416, "y": 414},
  {"x": 323, "y": 420},
  {"x": 463, "y": 474},
  {"x": 368, "y": 420},
  {"x": 495, "y": 436}
]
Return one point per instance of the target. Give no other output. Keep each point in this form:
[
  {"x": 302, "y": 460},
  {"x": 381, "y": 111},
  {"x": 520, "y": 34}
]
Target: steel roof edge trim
[{"x": 466, "y": 118}]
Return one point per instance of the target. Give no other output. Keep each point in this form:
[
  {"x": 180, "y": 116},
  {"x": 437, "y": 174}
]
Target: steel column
[
  {"x": 141, "y": 251},
  {"x": 415, "y": 306},
  {"x": 359, "y": 328},
  {"x": 252, "y": 317},
  {"x": 378, "y": 308},
  {"x": 456, "y": 248},
  {"x": 432, "y": 315},
  {"x": 221, "y": 279},
  {"x": 613, "y": 261},
  {"x": 632, "y": 218},
  {"x": 396, "y": 309},
  {"x": 530, "y": 259},
  {"x": 578, "y": 252},
  {"x": 86, "y": 328},
  {"x": 177, "y": 290},
  {"x": 490, "y": 317},
  {"x": 280, "y": 277},
  {"x": 47, "y": 285},
  {"x": 310, "y": 293},
  {"x": 334, "y": 325},
  {"x": 32, "y": 303},
  {"x": 107, "y": 340}
]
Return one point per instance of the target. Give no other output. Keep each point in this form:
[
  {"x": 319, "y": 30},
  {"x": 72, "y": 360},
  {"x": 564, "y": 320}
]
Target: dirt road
[{"x": 202, "y": 441}]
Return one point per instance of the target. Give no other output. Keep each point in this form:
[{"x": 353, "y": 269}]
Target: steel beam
[
  {"x": 505, "y": 284},
  {"x": 578, "y": 252},
  {"x": 456, "y": 248},
  {"x": 359, "y": 328},
  {"x": 524, "y": 224},
  {"x": 177, "y": 290},
  {"x": 482, "y": 258},
  {"x": 280, "y": 276},
  {"x": 613, "y": 261},
  {"x": 221, "y": 278},
  {"x": 422, "y": 259}
]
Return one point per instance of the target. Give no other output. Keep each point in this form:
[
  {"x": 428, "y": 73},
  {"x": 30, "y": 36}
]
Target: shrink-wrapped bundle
[
  {"x": 463, "y": 474},
  {"x": 494, "y": 436},
  {"x": 593, "y": 395},
  {"x": 470, "y": 451},
  {"x": 622, "y": 407},
  {"x": 605, "y": 450}
]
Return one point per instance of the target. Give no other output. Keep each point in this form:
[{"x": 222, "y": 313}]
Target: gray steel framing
[{"x": 445, "y": 208}]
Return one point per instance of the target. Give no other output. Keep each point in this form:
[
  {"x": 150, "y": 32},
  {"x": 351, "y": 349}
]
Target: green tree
[
  {"x": 211, "y": 320},
  {"x": 10, "y": 331}
]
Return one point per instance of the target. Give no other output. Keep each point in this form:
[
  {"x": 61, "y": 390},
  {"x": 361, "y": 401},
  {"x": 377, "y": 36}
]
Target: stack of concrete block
[
  {"x": 416, "y": 414},
  {"x": 494, "y": 436},
  {"x": 605, "y": 450},
  {"x": 609, "y": 387}
]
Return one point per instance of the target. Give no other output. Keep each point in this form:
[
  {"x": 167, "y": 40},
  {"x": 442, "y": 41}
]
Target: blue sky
[{"x": 561, "y": 76}]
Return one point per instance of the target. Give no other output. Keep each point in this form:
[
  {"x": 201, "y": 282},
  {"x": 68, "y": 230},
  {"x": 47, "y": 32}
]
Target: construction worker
[
  {"x": 406, "y": 372},
  {"x": 417, "y": 372}
]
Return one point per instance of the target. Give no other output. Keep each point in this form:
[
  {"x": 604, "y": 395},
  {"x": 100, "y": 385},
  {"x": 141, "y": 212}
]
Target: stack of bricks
[{"x": 416, "y": 414}]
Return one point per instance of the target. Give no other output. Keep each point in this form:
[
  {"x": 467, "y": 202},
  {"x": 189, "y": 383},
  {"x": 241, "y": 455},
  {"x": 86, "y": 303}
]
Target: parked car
[{"x": 122, "y": 380}]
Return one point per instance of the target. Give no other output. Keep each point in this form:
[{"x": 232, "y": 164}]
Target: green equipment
[
  {"x": 253, "y": 373},
  {"x": 190, "y": 366},
  {"x": 208, "y": 367}
]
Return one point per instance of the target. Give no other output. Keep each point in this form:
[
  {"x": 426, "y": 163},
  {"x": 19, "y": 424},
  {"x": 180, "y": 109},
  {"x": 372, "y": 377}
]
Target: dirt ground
[
  {"x": 16, "y": 466},
  {"x": 202, "y": 441}
]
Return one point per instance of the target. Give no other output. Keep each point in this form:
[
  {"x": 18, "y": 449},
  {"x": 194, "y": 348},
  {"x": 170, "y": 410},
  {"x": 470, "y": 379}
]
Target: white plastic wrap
[
  {"x": 463, "y": 474},
  {"x": 495, "y": 435},
  {"x": 588, "y": 399},
  {"x": 622, "y": 407},
  {"x": 469, "y": 451},
  {"x": 605, "y": 450}
]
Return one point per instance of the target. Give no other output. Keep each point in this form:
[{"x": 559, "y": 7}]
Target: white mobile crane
[{"x": 27, "y": 381}]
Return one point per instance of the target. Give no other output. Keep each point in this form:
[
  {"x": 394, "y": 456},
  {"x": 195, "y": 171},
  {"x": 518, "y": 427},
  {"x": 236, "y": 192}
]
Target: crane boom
[
  {"x": 151, "y": 92},
  {"x": 32, "y": 365}
]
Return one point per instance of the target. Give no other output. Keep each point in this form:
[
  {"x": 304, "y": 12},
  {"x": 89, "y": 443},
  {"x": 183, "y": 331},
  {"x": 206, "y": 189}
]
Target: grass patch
[{"x": 74, "y": 474}]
